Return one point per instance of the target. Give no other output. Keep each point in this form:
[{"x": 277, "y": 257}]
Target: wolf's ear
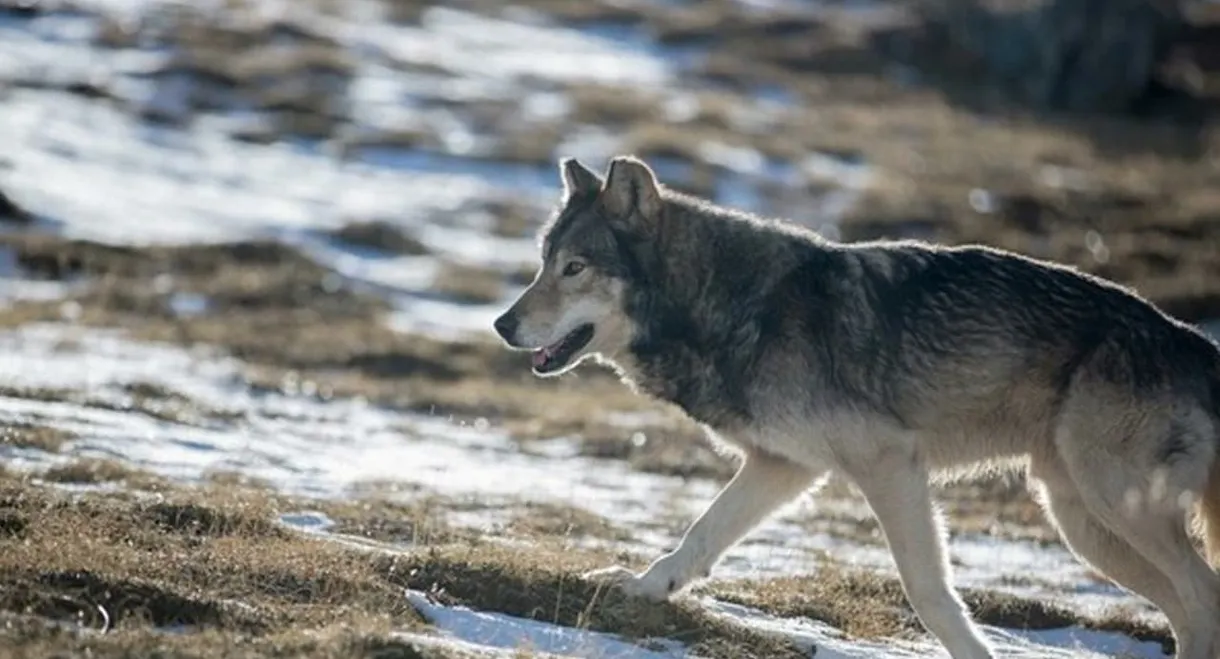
[
  {"x": 578, "y": 179},
  {"x": 631, "y": 188}
]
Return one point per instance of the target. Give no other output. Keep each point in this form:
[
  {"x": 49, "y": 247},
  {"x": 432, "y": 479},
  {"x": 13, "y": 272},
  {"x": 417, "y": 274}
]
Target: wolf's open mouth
[{"x": 557, "y": 355}]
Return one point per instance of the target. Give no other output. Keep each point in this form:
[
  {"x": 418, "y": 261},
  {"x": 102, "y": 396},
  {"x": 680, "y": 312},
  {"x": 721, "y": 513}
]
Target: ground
[{"x": 251, "y": 402}]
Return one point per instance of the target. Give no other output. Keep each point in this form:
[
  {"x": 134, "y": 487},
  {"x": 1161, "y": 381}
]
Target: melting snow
[{"x": 481, "y": 629}]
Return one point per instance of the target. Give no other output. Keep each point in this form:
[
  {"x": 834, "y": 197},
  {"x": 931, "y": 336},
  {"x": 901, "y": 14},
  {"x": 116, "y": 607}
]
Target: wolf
[{"x": 898, "y": 365}]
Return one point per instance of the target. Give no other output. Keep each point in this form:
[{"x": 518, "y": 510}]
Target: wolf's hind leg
[
  {"x": 1141, "y": 492},
  {"x": 1160, "y": 537},
  {"x": 895, "y": 484},
  {"x": 1094, "y": 544},
  {"x": 762, "y": 484}
]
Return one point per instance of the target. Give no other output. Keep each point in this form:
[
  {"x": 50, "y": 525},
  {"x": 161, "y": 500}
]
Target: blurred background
[
  {"x": 313, "y": 209},
  {"x": 243, "y": 172}
]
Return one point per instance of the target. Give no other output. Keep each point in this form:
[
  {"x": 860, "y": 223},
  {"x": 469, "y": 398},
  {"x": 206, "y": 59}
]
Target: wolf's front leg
[
  {"x": 761, "y": 485},
  {"x": 895, "y": 485}
]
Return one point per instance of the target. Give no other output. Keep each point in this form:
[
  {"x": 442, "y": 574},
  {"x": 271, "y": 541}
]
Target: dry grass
[
  {"x": 380, "y": 235},
  {"x": 420, "y": 521},
  {"x": 93, "y": 471},
  {"x": 534, "y": 520},
  {"x": 31, "y": 637},
  {"x": 512, "y": 220},
  {"x": 467, "y": 284},
  {"x": 29, "y": 435},
  {"x": 212, "y": 562}
]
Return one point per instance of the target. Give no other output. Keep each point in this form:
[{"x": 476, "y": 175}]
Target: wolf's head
[{"x": 591, "y": 254}]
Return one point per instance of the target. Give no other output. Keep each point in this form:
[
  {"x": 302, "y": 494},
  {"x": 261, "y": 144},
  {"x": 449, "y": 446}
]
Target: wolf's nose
[{"x": 506, "y": 326}]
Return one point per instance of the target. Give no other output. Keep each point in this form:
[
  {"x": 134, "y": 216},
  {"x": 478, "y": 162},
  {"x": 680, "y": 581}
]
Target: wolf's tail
[{"x": 1208, "y": 518}]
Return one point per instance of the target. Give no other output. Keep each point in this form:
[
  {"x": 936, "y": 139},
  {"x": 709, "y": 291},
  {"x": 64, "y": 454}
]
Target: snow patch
[{"x": 480, "y": 629}]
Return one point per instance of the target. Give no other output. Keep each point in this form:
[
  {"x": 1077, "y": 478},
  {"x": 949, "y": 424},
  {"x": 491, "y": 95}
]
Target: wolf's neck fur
[{"x": 703, "y": 321}]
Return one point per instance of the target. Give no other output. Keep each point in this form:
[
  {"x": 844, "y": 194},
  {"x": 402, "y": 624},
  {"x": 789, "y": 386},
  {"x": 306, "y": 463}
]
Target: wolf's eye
[{"x": 573, "y": 268}]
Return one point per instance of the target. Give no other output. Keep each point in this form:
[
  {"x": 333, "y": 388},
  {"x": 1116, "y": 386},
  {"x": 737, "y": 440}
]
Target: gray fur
[{"x": 893, "y": 363}]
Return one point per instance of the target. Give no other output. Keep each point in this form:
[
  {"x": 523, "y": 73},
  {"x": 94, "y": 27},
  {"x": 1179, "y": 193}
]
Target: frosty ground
[{"x": 250, "y": 400}]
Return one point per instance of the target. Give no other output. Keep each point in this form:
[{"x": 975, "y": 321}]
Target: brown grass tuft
[
  {"x": 564, "y": 521},
  {"x": 468, "y": 284},
  {"x": 28, "y": 435},
  {"x": 380, "y": 235},
  {"x": 92, "y": 471}
]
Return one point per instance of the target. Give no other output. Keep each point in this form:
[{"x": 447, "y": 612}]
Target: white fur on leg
[
  {"x": 896, "y": 488},
  {"x": 763, "y": 484}
]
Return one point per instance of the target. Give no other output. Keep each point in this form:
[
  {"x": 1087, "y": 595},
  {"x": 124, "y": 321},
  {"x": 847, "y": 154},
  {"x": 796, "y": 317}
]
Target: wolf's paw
[{"x": 635, "y": 585}]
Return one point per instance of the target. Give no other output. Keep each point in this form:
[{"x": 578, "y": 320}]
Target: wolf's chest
[
  {"x": 824, "y": 441},
  {"x": 702, "y": 390}
]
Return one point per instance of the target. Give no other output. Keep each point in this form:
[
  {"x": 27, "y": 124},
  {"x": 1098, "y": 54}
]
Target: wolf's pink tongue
[{"x": 540, "y": 356}]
